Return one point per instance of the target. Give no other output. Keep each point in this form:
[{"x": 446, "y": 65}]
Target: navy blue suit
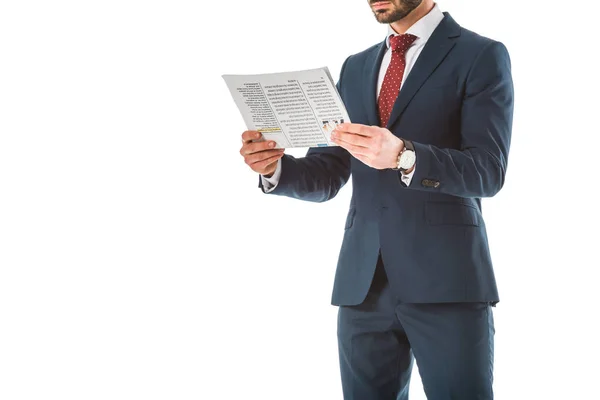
[{"x": 418, "y": 253}]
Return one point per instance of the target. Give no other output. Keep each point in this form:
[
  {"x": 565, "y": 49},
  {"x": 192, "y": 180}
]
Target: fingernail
[
  {"x": 256, "y": 135},
  {"x": 272, "y": 144}
]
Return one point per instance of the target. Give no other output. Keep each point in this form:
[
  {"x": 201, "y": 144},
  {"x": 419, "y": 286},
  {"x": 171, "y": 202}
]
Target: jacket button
[{"x": 430, "y": 183}]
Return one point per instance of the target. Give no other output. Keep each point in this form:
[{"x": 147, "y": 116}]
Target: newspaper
[{"x": 294, "y": 109}]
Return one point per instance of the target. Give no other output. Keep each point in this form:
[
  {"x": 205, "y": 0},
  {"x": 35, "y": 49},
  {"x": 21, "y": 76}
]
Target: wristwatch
[{"x": 407, "y": 157}]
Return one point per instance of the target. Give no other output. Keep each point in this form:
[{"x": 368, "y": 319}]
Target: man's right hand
[{"x": 262, "y": 157}]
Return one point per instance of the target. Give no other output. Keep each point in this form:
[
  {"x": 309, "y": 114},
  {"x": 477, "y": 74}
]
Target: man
[{"x": 431, "y": 110}]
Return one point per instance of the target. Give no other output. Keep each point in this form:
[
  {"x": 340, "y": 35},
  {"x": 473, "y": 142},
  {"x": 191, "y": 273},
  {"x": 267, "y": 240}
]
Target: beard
[{"x": 398, "y": 10}]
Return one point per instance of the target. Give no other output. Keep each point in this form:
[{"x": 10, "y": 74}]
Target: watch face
[{"x": 407, "y": 159}]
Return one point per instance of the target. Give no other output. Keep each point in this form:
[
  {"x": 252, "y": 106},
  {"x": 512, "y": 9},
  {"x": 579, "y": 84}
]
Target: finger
[
  {"x": 262, "y": 155},
  {"x": 269, "y": 167},
  {"x": 358, "y": 129},
  {"x": 255, "y": 147},
  {"x": 249, "y": 136},
  {"x": 352, "y": 138},
  {"x": 262, "y": 165},
  {"x": 354, "y": 149}
]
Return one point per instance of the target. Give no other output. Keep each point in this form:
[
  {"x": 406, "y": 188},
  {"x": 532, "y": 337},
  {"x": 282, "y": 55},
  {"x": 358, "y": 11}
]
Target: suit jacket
[{"x": 456, "y": 106}]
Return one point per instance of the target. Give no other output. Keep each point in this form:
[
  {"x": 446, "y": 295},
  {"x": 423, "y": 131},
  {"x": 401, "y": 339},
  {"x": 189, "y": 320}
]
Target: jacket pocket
[{"x": 441, "y": 213}]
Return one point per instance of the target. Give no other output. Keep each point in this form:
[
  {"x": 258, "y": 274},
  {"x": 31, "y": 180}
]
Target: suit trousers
[{"x": 452, "y": 344}]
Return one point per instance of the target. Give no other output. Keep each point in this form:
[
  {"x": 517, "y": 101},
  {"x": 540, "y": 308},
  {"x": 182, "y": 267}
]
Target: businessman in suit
[{"x": 431, "y": 109}]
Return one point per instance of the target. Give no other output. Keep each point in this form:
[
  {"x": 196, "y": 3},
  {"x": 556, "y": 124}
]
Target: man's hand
[
  {"x": 377, "y": 147},
  {"x": 262, "y": 157}
]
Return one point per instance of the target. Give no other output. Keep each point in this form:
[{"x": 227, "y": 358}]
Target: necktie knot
[{"x": 401, "y": 43}]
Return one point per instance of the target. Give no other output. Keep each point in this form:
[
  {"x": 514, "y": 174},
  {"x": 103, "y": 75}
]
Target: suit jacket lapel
[
  {"x": 371, "y": 74},
  {"x": 437, "y": 47}
]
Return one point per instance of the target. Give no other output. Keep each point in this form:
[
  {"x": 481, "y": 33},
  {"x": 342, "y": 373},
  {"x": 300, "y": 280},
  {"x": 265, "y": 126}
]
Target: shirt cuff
[
  {"x": 407, "y": 178},
  {"x": 269, "y": 184}
]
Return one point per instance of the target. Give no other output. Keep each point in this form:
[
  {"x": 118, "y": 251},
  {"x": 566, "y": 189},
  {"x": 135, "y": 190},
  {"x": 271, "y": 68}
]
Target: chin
[{"x": 382, "y": 16}]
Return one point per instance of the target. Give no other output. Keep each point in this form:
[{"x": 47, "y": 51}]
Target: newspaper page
[{"x": 294, "y": 109}]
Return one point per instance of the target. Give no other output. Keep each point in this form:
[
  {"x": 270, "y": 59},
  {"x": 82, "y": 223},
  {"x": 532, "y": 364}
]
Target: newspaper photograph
[{"x": 294, "y": 109}]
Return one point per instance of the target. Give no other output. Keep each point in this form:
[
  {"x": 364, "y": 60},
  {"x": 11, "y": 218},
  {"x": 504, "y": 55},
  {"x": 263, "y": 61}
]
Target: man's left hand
[{"x": 377, "y": 147}]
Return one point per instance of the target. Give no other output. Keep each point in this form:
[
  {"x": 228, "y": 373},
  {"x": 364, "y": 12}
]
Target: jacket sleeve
[
  {"x": 316, "y": 177},
  {"x": 478, "y": 168}
]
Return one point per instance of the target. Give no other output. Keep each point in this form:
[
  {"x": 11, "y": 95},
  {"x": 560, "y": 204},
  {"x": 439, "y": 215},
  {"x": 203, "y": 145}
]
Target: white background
[{"x": 139, "y": 260}]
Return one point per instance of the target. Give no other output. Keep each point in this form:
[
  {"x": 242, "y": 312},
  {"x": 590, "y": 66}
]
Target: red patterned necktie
[{"x": 393, "y": 76}]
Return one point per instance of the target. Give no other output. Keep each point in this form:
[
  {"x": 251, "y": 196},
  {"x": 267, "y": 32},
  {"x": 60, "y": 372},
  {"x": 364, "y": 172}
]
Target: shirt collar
[{"x": 423, "y": 28}]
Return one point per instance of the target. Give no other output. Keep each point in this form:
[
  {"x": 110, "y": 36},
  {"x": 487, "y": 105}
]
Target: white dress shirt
[{"x": 422, "y": 29}]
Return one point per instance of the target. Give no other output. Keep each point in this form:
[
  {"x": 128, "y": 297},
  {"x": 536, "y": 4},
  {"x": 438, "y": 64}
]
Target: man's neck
[{"x": 422, "y": 10}]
